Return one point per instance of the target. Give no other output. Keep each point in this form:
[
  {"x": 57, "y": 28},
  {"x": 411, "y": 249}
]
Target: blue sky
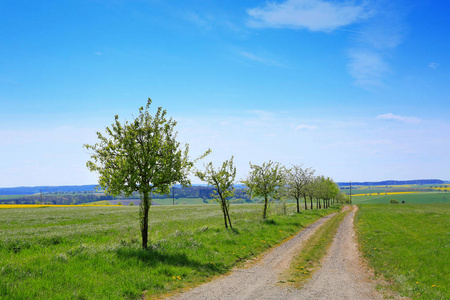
[{"x": 358, "y": 90}]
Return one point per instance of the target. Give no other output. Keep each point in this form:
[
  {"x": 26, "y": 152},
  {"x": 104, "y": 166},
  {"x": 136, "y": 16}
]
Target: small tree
[
  {"x": 222, "y": 180},
  {"x": 265, "y": 181},
  {"x": 140, "y": 156},
  {"x": 297, "y": 179},
  {"x": 342, "y": 198}
]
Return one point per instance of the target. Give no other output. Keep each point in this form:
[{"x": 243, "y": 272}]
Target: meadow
[
  {"x": 409, "y": 245},
  {"x": 409, "y": 198},
  {"x": 83, "y": 252}
]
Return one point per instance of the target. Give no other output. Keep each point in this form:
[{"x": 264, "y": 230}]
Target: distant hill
[
  {"x": 199, "y": 190},
  {"x": 26, "y": 190},
  {"x": 395, "y": 182}
]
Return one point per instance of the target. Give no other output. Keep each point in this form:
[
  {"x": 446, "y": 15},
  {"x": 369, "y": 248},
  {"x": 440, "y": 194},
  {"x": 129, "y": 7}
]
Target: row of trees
[
  {"x": 144, "y": 156},
  {"x": 272, "y": 181}
]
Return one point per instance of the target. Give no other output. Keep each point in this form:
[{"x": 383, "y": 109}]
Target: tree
[
  {"x": 142, "y": 156},
  {"x": 310, "y": 190},
  {"x": 265, "y": 181},
  {"x": 297, "y": 179},
  {"x": 330, "y": 190},
  {"x": 342, "y": 198},
  {"x": 222, "y": 179}
]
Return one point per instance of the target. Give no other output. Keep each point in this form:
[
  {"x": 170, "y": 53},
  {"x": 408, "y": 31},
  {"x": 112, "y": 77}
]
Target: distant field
[
  {"x": 409, "y": 244},
  {"x": 421, "y": 197},
  {"x": 82, "y": 252}
]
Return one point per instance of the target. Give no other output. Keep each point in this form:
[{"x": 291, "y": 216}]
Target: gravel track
[{"x": 340, "y": 277}]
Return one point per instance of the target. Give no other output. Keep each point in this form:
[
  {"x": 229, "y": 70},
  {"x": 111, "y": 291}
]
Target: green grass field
[
  {"x": 95, "y": 253},
  {"x": 423, "y": 197},
  {"x": 409, "y": 244}
]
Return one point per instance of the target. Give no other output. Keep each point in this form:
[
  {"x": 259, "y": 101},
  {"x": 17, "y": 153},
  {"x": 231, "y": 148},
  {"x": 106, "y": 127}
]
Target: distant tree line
[{"x": 64, "y": 199}]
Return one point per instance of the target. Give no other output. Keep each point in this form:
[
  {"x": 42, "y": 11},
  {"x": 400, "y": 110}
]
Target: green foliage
[
  {"x": 408, "y": 245},
  {"x": 393, "y": 201},
  {"x": 342, "y": 198},
  {"x": 94, "y": 252},
  {"x": 266, "y": 181},
  {"x": 222, "y": 180},
  {"x": 131, "y": 204},
  {"x": 140, "y": 156}
]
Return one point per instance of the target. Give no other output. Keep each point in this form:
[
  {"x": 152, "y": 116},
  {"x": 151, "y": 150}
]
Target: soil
[{"x": 341, "y": 276}]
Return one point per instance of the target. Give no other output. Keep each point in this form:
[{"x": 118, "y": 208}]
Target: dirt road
[{"x": 341, "y": 275}]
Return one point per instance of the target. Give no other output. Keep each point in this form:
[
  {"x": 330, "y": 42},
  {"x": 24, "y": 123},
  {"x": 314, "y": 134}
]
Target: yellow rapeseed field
[
  {"x": 442, "y": 188},
  {"x": 44, "y": 205},
  {"x": 382, "y": 193}
]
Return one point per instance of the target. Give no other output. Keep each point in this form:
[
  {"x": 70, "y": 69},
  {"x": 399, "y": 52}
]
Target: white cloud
[
  {"x": 433, "y": 65},
  {"x": 391, "y": 116},
  {"x": 315, "y": 15},
  {"x": 306, "y": 127}
]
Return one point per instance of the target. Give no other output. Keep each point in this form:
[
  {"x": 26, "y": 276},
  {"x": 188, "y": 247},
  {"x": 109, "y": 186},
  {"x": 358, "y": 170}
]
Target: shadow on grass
[
  {"x": 270, "y": 222},
  {"x": 234, "y": 231},
  {"x": 153, "y": 257}
]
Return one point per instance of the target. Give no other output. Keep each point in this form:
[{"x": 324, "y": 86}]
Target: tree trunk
[
  {"x": 228, "y": 215},
  {"x": 265, "y": 207},
  {"x": 310, "y": 198},
  {"x": 224, "y": 213},
  {"x": 306, "y": 205},
  {"x": 144, "y": 208},
  {"x": 298, "y": 205}
]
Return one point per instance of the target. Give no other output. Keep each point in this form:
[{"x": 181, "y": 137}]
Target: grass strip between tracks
[{"x": 315, "y": 248}]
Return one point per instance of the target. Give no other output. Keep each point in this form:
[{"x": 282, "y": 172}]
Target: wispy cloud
[
  {"x": 260, "y": 59},
  {"x": 306, "y": 127},
  {"x": 196, "y": 19},
  {"x": 391, "y": 116},
  {"x": 314, "y": 15},
  {"x": 261, "y": 114},
  {"x": 367, "y": 67},
  {"x": 380, "y": 28},
  {"x": 376, "y": 38},
  {"x": 433, "y": 65}
]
